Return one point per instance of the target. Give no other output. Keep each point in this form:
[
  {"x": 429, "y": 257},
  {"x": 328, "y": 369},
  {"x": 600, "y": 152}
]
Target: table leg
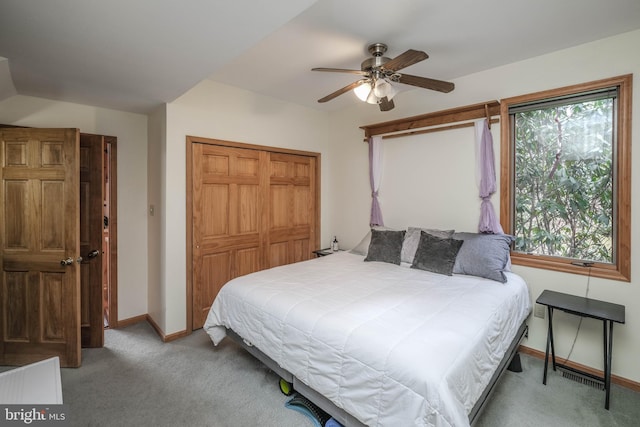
[
  {"x": 549, "y": 342},
  {"x": 553, "y": 348},
  {"x": 605, "y": 341},
  {"x": 607, "y": 366}
]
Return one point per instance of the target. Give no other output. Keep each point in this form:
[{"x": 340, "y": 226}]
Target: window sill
[{"x": 601, "y": 270}]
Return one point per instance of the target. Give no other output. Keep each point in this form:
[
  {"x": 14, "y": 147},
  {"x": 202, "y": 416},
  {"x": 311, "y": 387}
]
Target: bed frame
[{"x": 510, "y": 361}]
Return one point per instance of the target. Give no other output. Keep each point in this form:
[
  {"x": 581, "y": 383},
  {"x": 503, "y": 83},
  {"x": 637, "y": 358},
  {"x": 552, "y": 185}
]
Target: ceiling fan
[{"x": 379, "y": 72}]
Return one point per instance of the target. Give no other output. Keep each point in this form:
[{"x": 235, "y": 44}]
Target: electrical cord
[{"x": 586, "y": 295}]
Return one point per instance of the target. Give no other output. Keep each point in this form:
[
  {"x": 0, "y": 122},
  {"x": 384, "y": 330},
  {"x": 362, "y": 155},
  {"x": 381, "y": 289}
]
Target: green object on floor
[{"x": 286, "y": 387}]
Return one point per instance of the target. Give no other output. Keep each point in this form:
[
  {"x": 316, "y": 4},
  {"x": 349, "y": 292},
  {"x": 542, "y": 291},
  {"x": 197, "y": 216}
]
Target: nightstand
[
  {"x": 323, "y": 252},
  {"x": 583, "y": 307}
]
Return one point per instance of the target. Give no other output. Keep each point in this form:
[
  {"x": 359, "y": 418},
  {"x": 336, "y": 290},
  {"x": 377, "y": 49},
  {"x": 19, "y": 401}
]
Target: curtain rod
[
  {"x": 416, "y": 124},
  {"x": 436, "y": 129}
]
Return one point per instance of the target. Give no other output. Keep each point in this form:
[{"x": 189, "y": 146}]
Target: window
[{"x": 566, "y": 177}]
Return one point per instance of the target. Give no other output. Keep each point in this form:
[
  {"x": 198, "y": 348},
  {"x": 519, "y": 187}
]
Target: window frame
[{"x": 621, "y": 269}]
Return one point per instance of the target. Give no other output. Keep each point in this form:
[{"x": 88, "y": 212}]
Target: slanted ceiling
[{"x": 136, "y": 55}]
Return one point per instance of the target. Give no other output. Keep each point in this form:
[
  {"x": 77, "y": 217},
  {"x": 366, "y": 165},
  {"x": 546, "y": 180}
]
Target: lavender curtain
[
  {"x": 486, "y": 177},
  {"x": 375, "y": 176}
]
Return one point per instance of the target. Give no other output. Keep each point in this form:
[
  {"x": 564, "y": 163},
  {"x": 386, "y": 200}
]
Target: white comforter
[{"x": 391, "y": 345}]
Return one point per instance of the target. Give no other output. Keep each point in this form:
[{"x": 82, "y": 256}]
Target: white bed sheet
[{"x": 391, "y": 345}]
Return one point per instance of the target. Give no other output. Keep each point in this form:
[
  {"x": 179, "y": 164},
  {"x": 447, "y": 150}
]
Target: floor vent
[{"x": 582, "y": 379}]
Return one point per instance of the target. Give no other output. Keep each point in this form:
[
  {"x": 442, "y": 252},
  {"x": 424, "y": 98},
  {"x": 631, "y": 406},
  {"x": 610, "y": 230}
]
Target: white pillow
[
  {"x": 362, "y": 248},
  {"x": 412, "y": 239}
]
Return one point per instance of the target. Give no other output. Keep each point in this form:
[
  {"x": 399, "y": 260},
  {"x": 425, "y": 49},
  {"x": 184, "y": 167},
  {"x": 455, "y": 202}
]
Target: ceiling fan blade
[
  {"x": 424, "y": 82},
  {"x": 386, "y": 104},
  {"x": 339, "y": 92},
  {"x": 403, "y": 60},
  {"x": 341, "y": 70}
]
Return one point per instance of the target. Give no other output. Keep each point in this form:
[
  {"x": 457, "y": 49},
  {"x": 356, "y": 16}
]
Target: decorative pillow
[
  {"x": 412, "y": 238},
  {"x": 363, "y": 247},
  {"x": 483, "y": 255},
  {"x": 385, "y": 246},
  {"x": 436, "y": 254}
]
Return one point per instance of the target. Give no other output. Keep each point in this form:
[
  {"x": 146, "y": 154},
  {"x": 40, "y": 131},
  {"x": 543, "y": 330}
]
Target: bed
[{"x": 376, "y": 343}]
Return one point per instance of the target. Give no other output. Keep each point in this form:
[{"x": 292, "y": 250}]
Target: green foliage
[{"x": 564, "y": 181}]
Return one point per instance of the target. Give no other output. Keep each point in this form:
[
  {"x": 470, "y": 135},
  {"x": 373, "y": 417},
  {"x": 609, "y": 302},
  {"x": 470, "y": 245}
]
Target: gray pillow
[
  {"x": 483, "y": 255},
  {"x": 363, "y": 247},
  {"x": 435, "y": 254},
  {"x": 385, "y": 246},
  {"x": 412, "y": 238}
]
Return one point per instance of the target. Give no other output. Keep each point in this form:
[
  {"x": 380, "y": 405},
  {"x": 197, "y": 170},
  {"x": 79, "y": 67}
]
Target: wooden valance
[{"x": 419, "y": 124}]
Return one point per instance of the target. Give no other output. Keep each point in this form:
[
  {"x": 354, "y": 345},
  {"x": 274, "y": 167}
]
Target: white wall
[
  {"x": 131, "y": 131},
  {"x": 156, "y": 301},
  {"x": 217, "y": 111},
  {"x": 416, "y": 168}
]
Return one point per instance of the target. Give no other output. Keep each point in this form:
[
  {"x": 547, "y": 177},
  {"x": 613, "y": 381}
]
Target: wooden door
[
  {"x": 227, "y": 219},
  {"x": 39, "y": 246},
  {"x": 91, "y": 231},
  {"x": 292, "y": 208}
]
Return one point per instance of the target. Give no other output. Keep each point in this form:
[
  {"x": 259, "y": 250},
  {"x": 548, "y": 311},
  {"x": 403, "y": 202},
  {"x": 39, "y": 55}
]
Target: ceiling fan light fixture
[
  {"x": 362, "y": 91},
  {"x": 372, "y": 98},
  {"x": 383, "y": 88}
]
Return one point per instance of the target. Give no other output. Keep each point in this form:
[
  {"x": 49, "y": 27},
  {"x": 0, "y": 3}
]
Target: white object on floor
[{"x": 34, "y": 384}]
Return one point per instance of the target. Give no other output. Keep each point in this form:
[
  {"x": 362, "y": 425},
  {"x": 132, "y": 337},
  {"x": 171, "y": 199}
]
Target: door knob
[
  {"x": 94, "y": 253},
  {"x": 67, "y": 261}
]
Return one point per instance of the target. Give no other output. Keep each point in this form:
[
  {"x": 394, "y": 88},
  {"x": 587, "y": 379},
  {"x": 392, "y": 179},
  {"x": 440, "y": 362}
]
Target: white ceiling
[{"x": 136, "y": 55}]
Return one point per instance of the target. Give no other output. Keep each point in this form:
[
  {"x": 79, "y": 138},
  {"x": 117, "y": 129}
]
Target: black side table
[
  {"x": 322, "y": 252},
  {"x": 583, "y": 307}
]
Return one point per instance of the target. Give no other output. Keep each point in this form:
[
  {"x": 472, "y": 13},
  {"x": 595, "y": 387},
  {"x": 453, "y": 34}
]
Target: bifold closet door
[
  {"x": 251, "y": 209},
  {"x": 292, "y": 208},
  {"x": 228, "y": 219}
]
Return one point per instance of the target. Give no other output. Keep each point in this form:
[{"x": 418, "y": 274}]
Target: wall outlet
[{"x": 539, "y": 311}]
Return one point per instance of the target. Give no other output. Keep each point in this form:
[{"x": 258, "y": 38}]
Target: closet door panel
[
  {"x": 247, "y": 261},
  {"x": 302, "y": 207},
  {"x": 301, "y": 249},
  {"x": 215, "y": 218},
  {"x": 226, "y": 222},
  {"x": 279, "y": 207},
  {"x": 292, "y": 208},
  {"x": 248, "y": 215},
  {"x": 278, "y": 254},
  {"x": 214, "y": 269}
]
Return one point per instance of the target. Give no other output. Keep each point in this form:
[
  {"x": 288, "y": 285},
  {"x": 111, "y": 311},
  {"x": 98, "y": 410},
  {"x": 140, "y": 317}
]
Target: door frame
[
  {"x": 112, "y": 142},
  {"x": 110, "y": 175},
  {"x": 190, "y": 140}
]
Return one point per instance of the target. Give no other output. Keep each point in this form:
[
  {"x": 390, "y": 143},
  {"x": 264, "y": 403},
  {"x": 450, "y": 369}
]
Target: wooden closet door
[
  {"x": 292, "y": 208},
  {"x": 228, "y": 219},
  {"x": 249, "y": 208}
]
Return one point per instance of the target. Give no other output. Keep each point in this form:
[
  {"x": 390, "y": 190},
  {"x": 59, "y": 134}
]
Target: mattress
[{"x": 391, "y": 345}]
